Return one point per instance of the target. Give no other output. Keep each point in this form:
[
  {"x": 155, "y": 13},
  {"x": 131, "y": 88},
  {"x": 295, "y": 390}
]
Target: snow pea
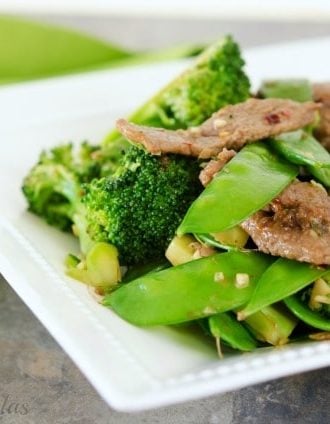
[
  {"x": 322, "y": 174},
  {"x": 189, "y": 291},
  {"x": 301, "y": 148},
  {"x": 282, "y": 279},
  {"x": 299, "y": 90},
  {"x": 226, "y": 327},
  {"x": 301, "y": 310},
  {"x": 245, "y": 185}
]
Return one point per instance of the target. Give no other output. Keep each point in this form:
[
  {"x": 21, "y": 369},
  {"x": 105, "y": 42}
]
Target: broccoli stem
[
  {"x": 80, "y": 229},
  {"x": 273, "y": 324},
  {"x": 181, "y": 250},
  {"x": 100, "y": 269}
]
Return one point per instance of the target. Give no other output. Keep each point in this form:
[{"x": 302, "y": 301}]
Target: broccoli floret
[
  {"x": 53, "y": 186},
  {"x": 215, "y": 80},
  {"x": 139, "y": 208}
]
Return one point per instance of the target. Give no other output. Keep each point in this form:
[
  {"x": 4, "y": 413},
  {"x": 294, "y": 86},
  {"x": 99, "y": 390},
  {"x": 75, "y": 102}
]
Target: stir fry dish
[{"x": 209, "y": 204}]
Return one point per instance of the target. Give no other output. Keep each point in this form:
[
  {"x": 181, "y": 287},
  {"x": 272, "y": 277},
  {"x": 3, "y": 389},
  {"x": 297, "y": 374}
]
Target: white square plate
[{"x": 132, "y": 368}]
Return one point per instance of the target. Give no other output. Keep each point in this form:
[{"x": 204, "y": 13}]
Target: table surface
[{"x": 38, "y": 381}]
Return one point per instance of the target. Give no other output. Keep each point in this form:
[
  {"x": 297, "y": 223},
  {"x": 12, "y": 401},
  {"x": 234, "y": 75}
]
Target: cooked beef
[
  {"x": 321, "y": 93},
  {"x": 230, "y": 127},
  {"x": 295, "y": 225},
  {"x": 182, "y": 142},
  {"x": 256, "y": 119},
  {"x": 215, "y": 165}
]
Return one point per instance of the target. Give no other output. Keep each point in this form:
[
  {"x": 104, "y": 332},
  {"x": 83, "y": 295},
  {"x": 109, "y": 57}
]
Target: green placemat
[{"x": 30, "y": 50}]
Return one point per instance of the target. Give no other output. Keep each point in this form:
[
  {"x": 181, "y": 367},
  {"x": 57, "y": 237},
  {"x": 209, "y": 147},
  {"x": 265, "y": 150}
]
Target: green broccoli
[
  {"x": 215, "y": 80},
  {"x": 139, "y": 208},
  {"x": 53, "y": 186}
]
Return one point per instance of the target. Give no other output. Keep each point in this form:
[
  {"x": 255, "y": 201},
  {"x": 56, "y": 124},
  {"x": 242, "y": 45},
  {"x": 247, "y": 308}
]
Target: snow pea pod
[
  {"x": 226, "y": 327},
  {"x": 322, "y": 174},
  {"x": 189, "y": 291},
  {"x": 305, "y": 314},
  {"x": 282, "y": 279},
  {"x": 301, "y": 148},
  {"x": 299, "y": 90},
  {"x": 231, "y": 196}
]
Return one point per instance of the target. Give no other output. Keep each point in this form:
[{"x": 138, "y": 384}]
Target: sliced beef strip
[
  {"x": 256, "y": 119},
  {"x": 182, "y": 142},
  {"x": 321, "y": 93},
  {"x": 231, "y": 127},
  {"x": 215, "y": 165},
  {"x": 295, "y": 225}
]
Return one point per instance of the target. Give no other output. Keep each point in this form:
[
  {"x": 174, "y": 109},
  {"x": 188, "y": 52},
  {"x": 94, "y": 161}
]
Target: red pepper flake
[
  {"x": 272, "y": 118},
  {"x": 285, "y": 113}
]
